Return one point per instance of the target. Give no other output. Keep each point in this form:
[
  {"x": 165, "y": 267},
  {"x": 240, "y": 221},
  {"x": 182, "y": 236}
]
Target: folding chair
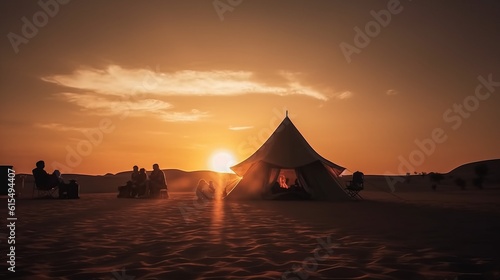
[
  {"x": 353, "y": 189},
  {"x": 356, "y": 185},
  {"x": 43, "y": 191}
]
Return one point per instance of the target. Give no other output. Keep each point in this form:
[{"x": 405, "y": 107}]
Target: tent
[{"x": 287, "y": 167}]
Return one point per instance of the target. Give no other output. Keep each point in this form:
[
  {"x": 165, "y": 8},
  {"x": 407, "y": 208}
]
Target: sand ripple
[{"x": 101, "y": 237}]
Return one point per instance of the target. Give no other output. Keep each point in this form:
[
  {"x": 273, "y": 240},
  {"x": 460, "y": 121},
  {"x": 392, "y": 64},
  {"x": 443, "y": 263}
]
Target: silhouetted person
[
  {"x": 157, "y": 181},
  {"x": 135, "y": 174},
  {"x": 63, "y": 188},
  {"x": 283, "y": 181},
  {"x": 67, "y": 190},
  {"x": 201, "y": 190},
  {"x": 276, "y": 188},
  {"x": 129, "y": 190},
  {"x": 211, "y": 186},
  {"x": 141, "y": 182},
  {"x": 297, "y": 183},
  {"x": 43, "y": 180},
  {"x": 296, "y": 186},
  {"x": 132, "y": 186},
  {"x": 358, "y": 179}
]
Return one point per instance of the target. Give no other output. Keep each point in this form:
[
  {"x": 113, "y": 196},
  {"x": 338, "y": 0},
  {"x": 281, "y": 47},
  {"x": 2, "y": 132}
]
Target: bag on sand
[
  {"x": 73, "y": 189},
  {"x": 126, "y": 191}
]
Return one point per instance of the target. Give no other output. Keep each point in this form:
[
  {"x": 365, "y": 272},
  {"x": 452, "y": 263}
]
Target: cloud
[
  {"x": 193, "y": 115},
  {"x": 154, "y": 132},
  {"x": 105, "y": 105},
  {"x": 140, "y": 92},
  {"x": 236, "y": 128},
  {"x": 60, "y": 127},
  {"x": 392, "y": 92},
  {"x": 117, "y": 81},
  {"x": 128, "y": 107},
  {"x": 343, "y": 95}
]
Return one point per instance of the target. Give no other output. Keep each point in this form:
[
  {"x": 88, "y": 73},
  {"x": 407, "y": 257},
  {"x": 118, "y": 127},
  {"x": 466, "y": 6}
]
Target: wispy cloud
[
  {"x": 117, "y": 81},
  {"x": 154, "y": 132},
  {"x": 59, "y": 127},
  {"x": 240, "y": 127},
  {"x": 392, "y": 92},
  {"x": 105, "y": 106},
  {"x": 193, "y": 115},
  {"x": 343, "y": 95},
  {"x": 141, "y": 92}
]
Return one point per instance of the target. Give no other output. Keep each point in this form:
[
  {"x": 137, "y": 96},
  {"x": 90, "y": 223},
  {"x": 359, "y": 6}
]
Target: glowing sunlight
[{"x": 221, "y": 161}]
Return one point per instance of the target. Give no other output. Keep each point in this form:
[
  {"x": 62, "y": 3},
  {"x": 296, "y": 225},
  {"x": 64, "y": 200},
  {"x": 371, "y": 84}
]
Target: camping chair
[
  {"x": 356, "y": 185},
  {"x": 353, "y": 189},
  {"x": 43, "y": 191}
]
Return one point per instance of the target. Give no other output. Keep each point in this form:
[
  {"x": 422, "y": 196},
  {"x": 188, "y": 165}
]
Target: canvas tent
[{"x": 287, "y": 154}]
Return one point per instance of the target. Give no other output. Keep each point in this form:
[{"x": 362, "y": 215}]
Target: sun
[{"x": 221, "y": 161}]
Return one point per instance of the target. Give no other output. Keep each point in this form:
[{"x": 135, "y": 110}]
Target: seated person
[
  {"x": 296, "y": 186},
  {"x": 283, "y": 181},
  {"x": 43, "y": 180},
  {"x": 141, "y": 183},
  {"x": 135, "y": 174},
  {"x": 157, "y": 181},
  {"x": 276, "y": 188},
  {"x": 129, "y": 189},
  {"x": 202, "y": 190},
  {"x": 63, "y": 188},
  {"x": 67, "y": 190}
]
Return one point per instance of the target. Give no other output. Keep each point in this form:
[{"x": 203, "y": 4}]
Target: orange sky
[{"x": 101, "y": 86}]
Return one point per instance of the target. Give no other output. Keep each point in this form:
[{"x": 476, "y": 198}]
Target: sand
[{"x": 426, "y": 235}]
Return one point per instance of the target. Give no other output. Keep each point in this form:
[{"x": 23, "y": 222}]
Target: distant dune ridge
[
  {"x": 467, "y": 171},
  {"x": 177, "y": 180},
  {"x": 418, "y": 182},
  {"x": 185, "y": 181}
]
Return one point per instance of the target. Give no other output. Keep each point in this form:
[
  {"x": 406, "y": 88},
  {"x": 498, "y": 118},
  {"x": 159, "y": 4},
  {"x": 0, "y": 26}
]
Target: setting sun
[{"x": 221, "y": 161}]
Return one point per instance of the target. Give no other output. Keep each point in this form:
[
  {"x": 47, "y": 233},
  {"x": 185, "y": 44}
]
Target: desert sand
[{"x": 409, "y": 235}]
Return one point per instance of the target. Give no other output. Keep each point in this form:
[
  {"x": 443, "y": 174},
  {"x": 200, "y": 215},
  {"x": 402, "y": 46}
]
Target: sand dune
[{"x": 427, "y": 236}]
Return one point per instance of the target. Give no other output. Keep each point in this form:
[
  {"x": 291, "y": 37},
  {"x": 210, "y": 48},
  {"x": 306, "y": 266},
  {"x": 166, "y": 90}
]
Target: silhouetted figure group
[
  {"x": 207, "y": 191},
  {"x": 281, "y": 186},
  {"x": 142, "y": 185},
  {"x": 46, "y": 181},
  {"x": 296, "y": 187}
]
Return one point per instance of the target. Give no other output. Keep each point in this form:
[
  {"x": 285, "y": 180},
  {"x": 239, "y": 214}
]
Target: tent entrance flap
[
  {"x": 321, "y": 183},
  {"x": 253, "y": 185}
]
